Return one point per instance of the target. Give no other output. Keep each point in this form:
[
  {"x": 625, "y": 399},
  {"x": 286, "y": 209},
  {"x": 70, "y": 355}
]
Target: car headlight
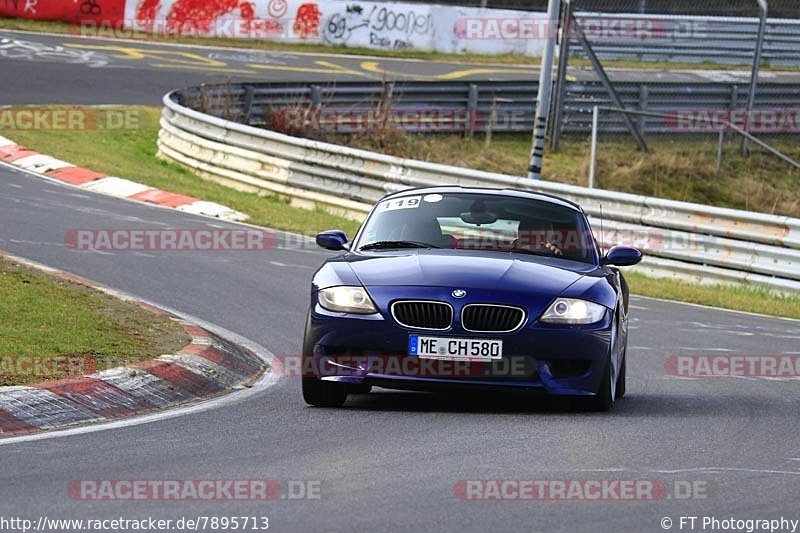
[
  {"x": 346, "y": 300},
  {"x": 572, "y": 311}
]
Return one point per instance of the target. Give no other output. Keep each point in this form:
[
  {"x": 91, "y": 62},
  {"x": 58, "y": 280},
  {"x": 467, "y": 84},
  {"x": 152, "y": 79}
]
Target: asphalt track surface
[
  {"x": 72, "y": 70},
  {"x": 387, "y": 461}
]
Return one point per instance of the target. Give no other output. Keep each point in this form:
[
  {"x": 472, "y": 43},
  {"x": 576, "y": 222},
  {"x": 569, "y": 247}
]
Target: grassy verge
[
  {"x": 679, "y": 168},
  {"x": 726, "y": 297},
  {"x": 47, "y": 320},
  {"x": 131, "y": 154},
  {"x": 281, "y": 46}
]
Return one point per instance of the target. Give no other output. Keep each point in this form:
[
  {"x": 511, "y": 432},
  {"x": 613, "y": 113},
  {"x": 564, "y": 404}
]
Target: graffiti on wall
[
  {"x": 220, "y": 18},
  {"x": 20, "y": 6},
  {"x": 90, "y": 7},
  {"x": 265, "y": 19},
  {"x": 306, "y": 23},
  {"x": 384, "y": 26},
  {"x": 75, "y": 11},
  {"x": 354, "y": 23}
]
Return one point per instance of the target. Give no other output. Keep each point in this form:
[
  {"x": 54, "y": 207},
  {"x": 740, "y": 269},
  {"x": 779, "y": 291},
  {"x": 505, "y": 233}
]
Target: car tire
[
  {"x": 323, "y": 393},
  {"x": 622, "y": 377},
  {"x": 603, "y": 401},
  {"x": 315, "y": 391},
  {"x": 359, "y": 389}
]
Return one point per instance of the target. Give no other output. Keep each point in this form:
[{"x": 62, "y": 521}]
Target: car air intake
[
  {"x": 423, "y": 315},
  {"x": 491, "y": 318}
]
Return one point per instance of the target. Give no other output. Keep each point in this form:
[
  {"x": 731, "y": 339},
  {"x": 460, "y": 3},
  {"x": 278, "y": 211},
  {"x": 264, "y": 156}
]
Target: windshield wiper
[{"x": 385, "y": 245}]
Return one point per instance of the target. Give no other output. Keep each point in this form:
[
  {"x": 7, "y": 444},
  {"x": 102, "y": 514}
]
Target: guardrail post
[
  {"x": 593, "y": 151},
  {"x": 472, "y": 110},
  {"x": 248, "y": 102},
  {"x": 545, "y": 92},
  {"x": 734, "y": 102},
  {"x": 644, "y": 94},
  {"x": 316, "y": 96},
  {"x": 561, "y": 77},
  {"x": 751, "y": 99},
  {"x": 487, "y": 140}
]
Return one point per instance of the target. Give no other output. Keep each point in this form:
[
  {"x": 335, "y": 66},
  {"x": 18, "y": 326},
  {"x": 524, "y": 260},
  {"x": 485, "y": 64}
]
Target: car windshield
[{"x": 473, "y": 221}]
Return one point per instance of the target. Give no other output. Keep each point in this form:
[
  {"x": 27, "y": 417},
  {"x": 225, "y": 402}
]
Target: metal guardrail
[
  {"x": 256, "y": 104},
  {"x": 652, "y": 8},
  {"x": 695, "y": 39},
  {"x": 682, "y": 240},
  {"x": 728, "y": 126}
]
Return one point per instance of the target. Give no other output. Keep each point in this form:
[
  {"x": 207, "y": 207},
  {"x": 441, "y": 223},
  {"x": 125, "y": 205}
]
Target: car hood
[{"x": 460, "y": 269}]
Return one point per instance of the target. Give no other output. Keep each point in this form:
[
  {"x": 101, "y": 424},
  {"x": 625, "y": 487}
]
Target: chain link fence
[
  {"x": 731, "y": 8},
  {"x": 681, "y": 142}
]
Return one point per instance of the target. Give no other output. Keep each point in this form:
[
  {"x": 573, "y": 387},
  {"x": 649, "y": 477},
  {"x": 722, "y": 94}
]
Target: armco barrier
[
  {"x": 697, "y": 39},
  {"x": 692, "y": 242},
  {"x": 513, "y": 102}
]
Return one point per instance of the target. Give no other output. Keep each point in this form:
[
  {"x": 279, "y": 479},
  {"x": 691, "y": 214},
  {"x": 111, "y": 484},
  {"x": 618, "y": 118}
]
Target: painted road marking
[
  {"x": 328, "y": 68},
  {"x": 374, "y": 66},
  {"x": 161, "y": 58},
  {"x": 172, "y": 57}
]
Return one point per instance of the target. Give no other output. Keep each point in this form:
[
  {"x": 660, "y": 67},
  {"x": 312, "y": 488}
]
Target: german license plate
[{"x": 455, "y": 349}]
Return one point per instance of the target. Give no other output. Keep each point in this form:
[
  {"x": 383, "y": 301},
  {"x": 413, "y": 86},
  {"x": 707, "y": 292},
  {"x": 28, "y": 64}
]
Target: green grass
[
  {"x": 678, "y": 168},
  {"x": 726, "y": 297},
  {"x": 280, "y": 46},
  {"x": 45, "y": 317},
  {"x": 131, "y": 154}
]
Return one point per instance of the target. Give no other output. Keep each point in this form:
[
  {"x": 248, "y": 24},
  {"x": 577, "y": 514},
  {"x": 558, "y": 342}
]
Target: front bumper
[{"x": 537, "y": 358}]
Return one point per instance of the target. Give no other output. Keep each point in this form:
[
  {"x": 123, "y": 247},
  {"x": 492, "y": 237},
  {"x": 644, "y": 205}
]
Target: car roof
[{"x": 514, "y": 193}]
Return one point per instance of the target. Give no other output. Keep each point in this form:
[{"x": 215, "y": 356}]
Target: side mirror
[
  {"x": 622, "y": 256},
  {"x": 332, "y": 240}
]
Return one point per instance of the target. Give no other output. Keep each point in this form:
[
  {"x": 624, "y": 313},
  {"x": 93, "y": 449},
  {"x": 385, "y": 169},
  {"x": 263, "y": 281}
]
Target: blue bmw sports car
[{"x": 452, "y": 287}]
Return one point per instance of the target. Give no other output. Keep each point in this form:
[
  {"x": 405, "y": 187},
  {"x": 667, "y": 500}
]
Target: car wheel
[
  {"x": 621, "y": 379},
  {"x": 315, "y": 391},
  {"x": 604, "y": 399},
  {"x": 359, "y": 389},
  {"x": 323, "y": 393}
]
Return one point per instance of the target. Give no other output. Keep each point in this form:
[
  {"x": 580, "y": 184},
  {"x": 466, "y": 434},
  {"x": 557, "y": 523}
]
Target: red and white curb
[
  {"x": 19, "y": 156},
  {"x": 207, "y": 367}
]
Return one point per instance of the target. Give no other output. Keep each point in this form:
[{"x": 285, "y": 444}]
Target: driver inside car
[{"x": 536, "y": 236}]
